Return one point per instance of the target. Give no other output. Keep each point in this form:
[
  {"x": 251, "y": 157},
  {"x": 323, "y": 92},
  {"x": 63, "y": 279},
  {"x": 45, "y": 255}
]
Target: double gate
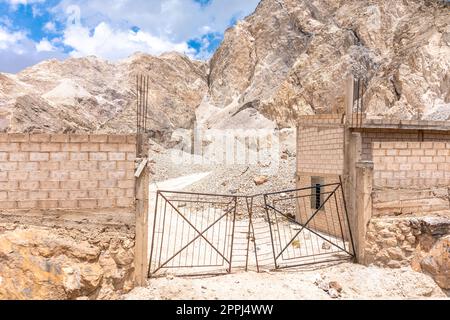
[{"x": 194, "y": 233}]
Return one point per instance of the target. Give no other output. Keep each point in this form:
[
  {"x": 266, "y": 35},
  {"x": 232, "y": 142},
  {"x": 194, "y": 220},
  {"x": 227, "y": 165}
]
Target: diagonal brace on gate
[
  {"x": 305, "y": 226},
  {"x": 200, "y": 234}
]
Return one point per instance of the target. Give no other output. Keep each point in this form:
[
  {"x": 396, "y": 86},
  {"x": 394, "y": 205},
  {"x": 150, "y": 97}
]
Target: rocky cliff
[
  {"x": 90, "y": 94},
  {"x": 288, "y": 58},
  {"x": 291, "y": 56}
]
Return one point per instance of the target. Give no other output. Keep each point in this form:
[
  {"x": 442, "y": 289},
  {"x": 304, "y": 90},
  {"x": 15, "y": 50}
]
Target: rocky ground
[{"x": 343, "y": 281}]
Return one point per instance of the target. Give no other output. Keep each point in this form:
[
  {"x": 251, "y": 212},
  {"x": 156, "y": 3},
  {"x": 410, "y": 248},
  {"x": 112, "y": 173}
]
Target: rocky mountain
[
  {"x": 90, "y": 94},
  {"x": 289, "y": 57}
]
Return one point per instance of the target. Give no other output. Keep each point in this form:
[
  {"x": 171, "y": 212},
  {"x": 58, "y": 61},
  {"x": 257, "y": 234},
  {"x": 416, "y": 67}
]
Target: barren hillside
[{"x": 288, "y": 58}]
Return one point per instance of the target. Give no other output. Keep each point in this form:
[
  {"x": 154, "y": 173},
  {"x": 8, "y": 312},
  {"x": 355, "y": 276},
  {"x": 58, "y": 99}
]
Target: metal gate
[
  {"x": 192, "y": 233},
  {"x": 196, "y": 233},
  {"x": 309, "y": 225}
]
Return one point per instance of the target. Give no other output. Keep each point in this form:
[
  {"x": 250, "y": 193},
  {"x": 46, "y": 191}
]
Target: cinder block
[
  {"x": 79, "y": 156},
  {"x": 88, "y": 185},
  {"x": 17, "y": 195},
  {"x": 69, "y": 165},
  {"x": 58, "y": 195},
  {"x": 87, "y": 203},
  {"x": 92, "y": 147},
  {"x": 17, "y": 175},
  {"x": 106, "y": 203},
  {"x": 127, "y": 148},
  {"x": 116, "y": 156},
  {"x": 107, "y": 184},
  {"x": 124, "y": 184},
  {"x": 4, "y": 156},
  {"x": 79, "y": 175},
  {"x": 40, "y": 137},
  {"x": 125, "y": 202},
  {"x": 116, "y": 193},
  {"x": 63, "y": 138},
  {"x": 98, "y": 175},
  {"x": 131, "y": 156},
  {"x": 51, "y": 147},
  {"x": 29, "y": 185},
  {"x": 70, "y": 147},
  {"x": 60, "y": 175},
  {"x": 8, "y": 204},
  {"x": 125, "y": 166},
  {"x": 49, "y": 185},
  {"x": 8, "y": 166},
  {"x": 9, "y": 185},
  {"x": 41, "y": 175},
  {"x": 109, "y": 147},
  {"x": 131, "y": 139},
  {"x": 78, "y": 194},
  {"x": 28, "y": 166},
  {"x": 49, "y": 165},
  {"x": 98, "y": 193},
  {"x": 107, "y": 165},
  {"x": 117, "y": 138},
  {"x": 116, "y": 175},
  {"x": 98, "y": 156},
  {"x": 48, "y": 204},
  {"x": 70, "y": 185},
  {"x": 27, "y": 147},
  {"x": 9, "y": 147},
  {"x": 27, "y": 204},
  {"x": 68, "y": 204},
  {"x": 39, "y": 156},
  {"x": 88, "y": 165},
  {"x": 19, "y": 137},
  {"x": 3, "y": 176},
  {"x": 98, "y": 138},
  {"x": 79, "y": 138},
  {"x": 59, "y": 156},
  {"x": 3, "y": 137},
  {"x": 38, "y": 195}
]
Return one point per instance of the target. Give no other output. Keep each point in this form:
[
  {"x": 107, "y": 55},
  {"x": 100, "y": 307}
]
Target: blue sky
[{"x": 35, "y": 30}]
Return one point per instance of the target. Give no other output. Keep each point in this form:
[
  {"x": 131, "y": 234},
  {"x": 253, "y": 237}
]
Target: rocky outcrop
[
  {"x": 64, "y": 263},
  {"x": 290, "y": 57},
  {"x": 93, "y": 95},
  {"x": 423, "y": 243}
]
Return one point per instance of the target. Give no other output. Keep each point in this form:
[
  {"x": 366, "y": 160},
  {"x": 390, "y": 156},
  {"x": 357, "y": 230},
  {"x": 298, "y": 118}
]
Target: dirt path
[{"x": 357, "y": 282}]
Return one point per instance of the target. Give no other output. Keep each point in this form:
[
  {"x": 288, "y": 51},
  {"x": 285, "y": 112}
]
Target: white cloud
[
  {"x": 164, "y": 24},
  {"x": 45, "y": 46},
  {"x": 115, "y": 44},
  {"x": 50, "y": 26},
  {"x": 9, "y": 39}
]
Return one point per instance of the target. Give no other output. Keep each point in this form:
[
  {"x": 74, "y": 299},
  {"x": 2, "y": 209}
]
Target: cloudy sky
[{"x": 35, "y": 30}]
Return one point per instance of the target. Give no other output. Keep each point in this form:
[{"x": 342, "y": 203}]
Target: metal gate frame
[
  {"x": 344, "y": 227},
  {"x": 229, "y": 215},
  {"x": 224, "y": 251}
]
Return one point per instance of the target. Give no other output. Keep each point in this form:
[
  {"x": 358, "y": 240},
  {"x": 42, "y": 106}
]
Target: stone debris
[{"x": 260, "y": 180}]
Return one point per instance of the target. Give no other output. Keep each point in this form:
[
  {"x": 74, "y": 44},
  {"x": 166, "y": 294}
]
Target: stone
[
  {"x": 336, "y": 286},
  {"x": 260, "y": 180},
  {"x": 333, "y": 293},
  {"x": 43, "y": 263},
  {"x": 326, "y": 246},
  {"x": 396, "y": 254}
]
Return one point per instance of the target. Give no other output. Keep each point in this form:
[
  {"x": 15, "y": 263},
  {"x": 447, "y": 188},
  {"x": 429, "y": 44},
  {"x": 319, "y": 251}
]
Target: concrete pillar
[
  {"x": 363, "y": 206},
  {"x": 142, "y": 198}
]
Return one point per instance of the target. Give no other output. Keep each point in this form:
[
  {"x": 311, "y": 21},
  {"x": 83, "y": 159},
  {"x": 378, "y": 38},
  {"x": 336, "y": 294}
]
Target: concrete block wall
[
  {"x": 320, "y": 150},
  {"x": 415, "y": 165},
  {"x": 66, "y": 171}
]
